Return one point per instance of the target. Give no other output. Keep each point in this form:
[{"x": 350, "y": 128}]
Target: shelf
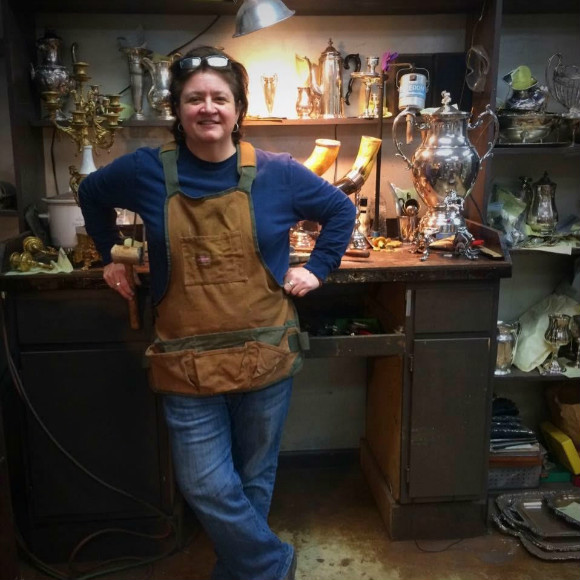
[
  {"x": 538, "y": 149},
  {"x": 248, "y": 122},
  {"x": 229, "y": 7},
  {"x": 302, "y": 7},
  {"x": 573, "y": 251},
  {"x": 532, "y": 376}
]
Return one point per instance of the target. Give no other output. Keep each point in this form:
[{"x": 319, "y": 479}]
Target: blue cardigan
[{"x": 283, "y": 193}]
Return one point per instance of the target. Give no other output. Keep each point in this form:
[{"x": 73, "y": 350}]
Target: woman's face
[{"x": 207, "y": 109}]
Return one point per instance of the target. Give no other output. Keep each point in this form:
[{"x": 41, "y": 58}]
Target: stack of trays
[{"x": 546, "y": 522}]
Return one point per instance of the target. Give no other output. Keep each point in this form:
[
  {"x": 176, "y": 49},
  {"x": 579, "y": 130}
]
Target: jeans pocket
[{"x": 215, "y": 259}]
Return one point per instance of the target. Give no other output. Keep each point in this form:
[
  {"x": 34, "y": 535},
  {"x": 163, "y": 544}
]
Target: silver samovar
[{"x": 444, "y": 169}]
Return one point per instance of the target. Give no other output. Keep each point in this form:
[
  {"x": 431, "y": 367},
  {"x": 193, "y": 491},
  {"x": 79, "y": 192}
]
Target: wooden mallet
[{"x": 129, "y": 256}]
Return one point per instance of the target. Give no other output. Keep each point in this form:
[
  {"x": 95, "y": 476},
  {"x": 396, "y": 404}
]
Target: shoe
[{"x": 291, "y": 574}]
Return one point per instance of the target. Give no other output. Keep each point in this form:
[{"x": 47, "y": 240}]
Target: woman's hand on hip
[
  {"x": 117, "y": 277},
  {"x": 298, "y": 281}
]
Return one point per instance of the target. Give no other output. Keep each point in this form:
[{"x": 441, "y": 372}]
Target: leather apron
[{"x": 224, "y": 323}]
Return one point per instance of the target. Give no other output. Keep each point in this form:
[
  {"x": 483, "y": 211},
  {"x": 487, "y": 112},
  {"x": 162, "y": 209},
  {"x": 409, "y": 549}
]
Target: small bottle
[{"x": 363, "y": 217}]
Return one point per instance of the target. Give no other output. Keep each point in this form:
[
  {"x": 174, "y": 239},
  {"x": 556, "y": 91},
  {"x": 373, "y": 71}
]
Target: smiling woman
[{"x": 218, "y": 214}]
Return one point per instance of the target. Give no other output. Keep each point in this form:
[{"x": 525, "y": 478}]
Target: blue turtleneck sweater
[{"x": 283, "y": 193}]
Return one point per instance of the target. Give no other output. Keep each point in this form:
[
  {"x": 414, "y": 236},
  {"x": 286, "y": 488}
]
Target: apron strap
[
  {"x": 246, "y": 166},
  {"x": 168, "y": 154}
]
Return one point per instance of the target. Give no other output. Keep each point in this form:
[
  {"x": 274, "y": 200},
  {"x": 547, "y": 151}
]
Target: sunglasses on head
[{"x": 214, "y": 60}]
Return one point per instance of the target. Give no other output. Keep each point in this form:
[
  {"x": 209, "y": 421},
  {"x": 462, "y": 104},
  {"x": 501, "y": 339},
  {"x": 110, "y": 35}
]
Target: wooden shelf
[
  {"x": 572, "y": 150},
  {"x": 302, "y": 7},
  {"x": 229, "y": 7},
  {"x": 249, "y": 122}
]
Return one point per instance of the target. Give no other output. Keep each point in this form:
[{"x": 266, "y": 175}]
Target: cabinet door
[
  {"x": 97, "y": 404},
  {"x": 448, "y": 418}
]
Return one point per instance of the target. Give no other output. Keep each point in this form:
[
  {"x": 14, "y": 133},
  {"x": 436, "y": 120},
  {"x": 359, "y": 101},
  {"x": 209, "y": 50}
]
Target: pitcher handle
[
  {"x": 355, "y": 57},
  {"x": 402, "y": 115},
  {"x": 550, "y": 78},
  {"x": 479, "y": 121}
]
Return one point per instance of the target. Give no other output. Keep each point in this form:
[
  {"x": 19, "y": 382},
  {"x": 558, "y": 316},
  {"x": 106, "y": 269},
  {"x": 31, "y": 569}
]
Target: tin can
[{"x": 412, "y": 90}]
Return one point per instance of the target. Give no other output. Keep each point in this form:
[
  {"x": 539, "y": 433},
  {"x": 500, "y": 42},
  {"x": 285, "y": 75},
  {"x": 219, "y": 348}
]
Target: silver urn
[
  {"x": 50, "y": 75},
  {"x": 444, "y": 167}
]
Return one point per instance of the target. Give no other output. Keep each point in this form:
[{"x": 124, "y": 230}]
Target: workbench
[{"x": 424, "y": 450}]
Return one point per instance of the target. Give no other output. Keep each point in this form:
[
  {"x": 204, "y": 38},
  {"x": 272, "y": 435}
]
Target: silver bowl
[{"x": 526, "y": 127}]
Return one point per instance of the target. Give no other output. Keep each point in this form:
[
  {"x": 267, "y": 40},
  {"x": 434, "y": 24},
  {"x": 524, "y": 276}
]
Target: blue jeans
[{"x": 225, "y": 451}]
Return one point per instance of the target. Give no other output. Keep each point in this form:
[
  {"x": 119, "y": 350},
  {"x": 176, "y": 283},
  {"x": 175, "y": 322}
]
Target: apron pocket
[
  {"x": 214, "y": 259},
  {"x": 217, "y": 371}
]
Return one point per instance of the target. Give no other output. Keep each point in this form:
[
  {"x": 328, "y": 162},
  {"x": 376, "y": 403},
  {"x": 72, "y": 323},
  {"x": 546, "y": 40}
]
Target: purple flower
[{"x": 388, "y": 58}]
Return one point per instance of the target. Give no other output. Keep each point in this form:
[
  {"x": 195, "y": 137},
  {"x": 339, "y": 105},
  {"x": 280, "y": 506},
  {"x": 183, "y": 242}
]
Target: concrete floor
[{"x": 327, "y": 512}]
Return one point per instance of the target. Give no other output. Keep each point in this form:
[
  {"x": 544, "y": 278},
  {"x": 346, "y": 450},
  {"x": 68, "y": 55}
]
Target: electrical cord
[
  {"x": 172, "y": 530},
  {"x": 453, "y": 543}
]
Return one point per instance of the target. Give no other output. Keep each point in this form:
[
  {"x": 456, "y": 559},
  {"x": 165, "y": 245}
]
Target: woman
[{"x": 217, "y": 215}]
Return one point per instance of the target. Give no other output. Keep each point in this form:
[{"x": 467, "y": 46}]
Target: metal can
[{"x": 413, "y": 90}]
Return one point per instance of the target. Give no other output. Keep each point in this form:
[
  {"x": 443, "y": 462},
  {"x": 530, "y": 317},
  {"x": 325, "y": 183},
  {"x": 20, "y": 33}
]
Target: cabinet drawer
[
  {"x": 372, "y": 345},
  {"x": 455, "y": 307},
  {"x": 76, "y": 317}
]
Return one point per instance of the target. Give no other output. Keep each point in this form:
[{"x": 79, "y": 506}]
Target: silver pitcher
[
  {"x": 159, "y": 97},
  {"x": 444, "y": 169},
  {"x": 50, "y": 75},
  {"x": 542, "y": 216},
  {"x": 564, "y": 84},
  {"x": 135, "y": 55},
  {"x": 507, "y": 344}
]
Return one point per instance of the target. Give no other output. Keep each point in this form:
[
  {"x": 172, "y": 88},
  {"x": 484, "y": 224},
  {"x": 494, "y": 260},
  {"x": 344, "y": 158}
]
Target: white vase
[{"x": 87, "y": 163}]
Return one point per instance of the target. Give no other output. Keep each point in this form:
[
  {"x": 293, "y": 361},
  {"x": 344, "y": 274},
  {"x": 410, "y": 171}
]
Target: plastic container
[{"x": 508, "y": 477}]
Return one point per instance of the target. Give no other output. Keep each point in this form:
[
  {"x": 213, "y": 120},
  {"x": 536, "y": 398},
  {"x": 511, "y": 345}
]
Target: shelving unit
[{"x": 484, "y": 29}]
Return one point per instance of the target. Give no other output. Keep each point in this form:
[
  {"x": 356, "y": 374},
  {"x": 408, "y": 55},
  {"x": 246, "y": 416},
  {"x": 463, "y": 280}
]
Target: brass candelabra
[{"x": 95, "y": 118}]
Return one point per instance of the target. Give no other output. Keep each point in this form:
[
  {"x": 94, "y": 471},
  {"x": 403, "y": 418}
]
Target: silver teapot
[
  {"x": 507, "y": 344},
  {"x": 444, "y": 167}
]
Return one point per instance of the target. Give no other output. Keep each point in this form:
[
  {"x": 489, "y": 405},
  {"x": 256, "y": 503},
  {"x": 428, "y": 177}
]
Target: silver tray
[
  {"x": 529, "y": 510},
  {"x": 534, "y": 545},
  {"x": 560, "y": 500}
]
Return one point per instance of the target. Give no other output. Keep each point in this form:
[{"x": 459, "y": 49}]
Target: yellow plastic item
[{"x": 562, "y": 446}]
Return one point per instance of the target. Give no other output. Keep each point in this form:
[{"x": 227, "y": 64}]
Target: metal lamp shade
[{"x": 256, "y": 14}]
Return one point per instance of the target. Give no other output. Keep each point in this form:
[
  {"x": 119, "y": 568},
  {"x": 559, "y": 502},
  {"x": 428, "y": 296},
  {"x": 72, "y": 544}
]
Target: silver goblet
[{"x": 557, "y": 334}]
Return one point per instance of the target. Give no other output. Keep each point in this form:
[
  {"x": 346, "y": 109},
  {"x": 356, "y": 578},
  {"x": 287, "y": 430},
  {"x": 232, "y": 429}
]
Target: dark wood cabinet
[
  {"x": 426, "y": 444},
  {"x": 93, "y": 449}
]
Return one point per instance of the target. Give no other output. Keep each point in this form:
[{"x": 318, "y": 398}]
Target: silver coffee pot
[
  {"x": 444, "y": 169},
  {"x": 330, "y": 82}
]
